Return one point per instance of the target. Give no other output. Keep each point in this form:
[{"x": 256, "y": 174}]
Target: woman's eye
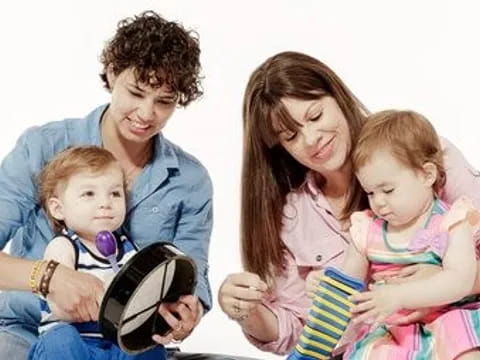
[
  {"x": 389, "y": 191},
  {"x": 166, "y": 102},
  {"x": 290, "y": 136},
  {"x": 317, "y": 117},
  {"x": 135, "y": 93},
  {"x": 369, "y": 194}
]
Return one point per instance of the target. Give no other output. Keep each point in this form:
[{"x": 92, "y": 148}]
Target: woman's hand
[
  {"x": 240, "y": 294},
  {"x": 182, "y": 316},
  {"x": 76, "y": 296},
  {"x": 407, "y": 273},
  {"x": 375, "y": 305},
  {"x": 311, "y": 282}
]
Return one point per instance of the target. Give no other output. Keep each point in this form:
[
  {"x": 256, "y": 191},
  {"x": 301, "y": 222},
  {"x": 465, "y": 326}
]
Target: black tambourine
[{"x": 129, "y": 310}]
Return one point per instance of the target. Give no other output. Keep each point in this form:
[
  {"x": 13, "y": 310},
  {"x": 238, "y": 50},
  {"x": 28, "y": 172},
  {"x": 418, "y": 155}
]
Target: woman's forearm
[
  {"x": 442, "y": 288},
  {"x": 261, "y": 324},
  {"x": 16, "y": 272}
]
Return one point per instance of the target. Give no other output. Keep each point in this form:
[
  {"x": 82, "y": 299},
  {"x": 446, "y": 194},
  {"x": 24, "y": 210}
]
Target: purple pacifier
[{"x": 107, "y": 246}]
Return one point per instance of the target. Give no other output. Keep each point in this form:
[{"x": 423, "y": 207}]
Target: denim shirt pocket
[{"x": 152, "y": 223}]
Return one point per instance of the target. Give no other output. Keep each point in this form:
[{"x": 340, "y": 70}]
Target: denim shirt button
[{"x": 155, "y": 209}]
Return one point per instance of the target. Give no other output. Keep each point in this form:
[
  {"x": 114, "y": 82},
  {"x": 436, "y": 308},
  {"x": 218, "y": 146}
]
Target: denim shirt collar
[{"x": 163, "y": 164}]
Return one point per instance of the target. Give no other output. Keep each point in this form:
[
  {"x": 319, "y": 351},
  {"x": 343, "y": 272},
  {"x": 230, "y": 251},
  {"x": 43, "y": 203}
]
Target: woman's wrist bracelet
[
  {"x": 33, "y": 282},
  {"x": 44, "y": 287}
]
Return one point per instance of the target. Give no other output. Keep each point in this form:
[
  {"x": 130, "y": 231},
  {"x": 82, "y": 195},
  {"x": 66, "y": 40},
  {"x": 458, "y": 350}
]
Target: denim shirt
[{"x": 171, "y": 200}]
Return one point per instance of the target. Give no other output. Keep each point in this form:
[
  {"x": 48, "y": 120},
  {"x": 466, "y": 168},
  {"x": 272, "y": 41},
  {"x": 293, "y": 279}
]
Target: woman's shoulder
[
  {"x": 74, "y": 129},
  {"x": 184, "y": 157},
  {"x": 190, "y": 170}
]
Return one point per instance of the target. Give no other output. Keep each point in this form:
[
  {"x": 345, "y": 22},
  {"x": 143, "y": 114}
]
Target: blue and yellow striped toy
[{"x": 328, "y": 317}]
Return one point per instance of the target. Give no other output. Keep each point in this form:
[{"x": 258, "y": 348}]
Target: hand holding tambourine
[{"x": 129, "y": 316}]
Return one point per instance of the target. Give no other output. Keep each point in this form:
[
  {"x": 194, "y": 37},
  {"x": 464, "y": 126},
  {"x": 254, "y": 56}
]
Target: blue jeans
[
  {"x": 64, "y": 342},
  {"x": 13, "y": 347}
]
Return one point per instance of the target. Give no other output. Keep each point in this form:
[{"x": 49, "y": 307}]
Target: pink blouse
[{"x": 315, "y": 239}]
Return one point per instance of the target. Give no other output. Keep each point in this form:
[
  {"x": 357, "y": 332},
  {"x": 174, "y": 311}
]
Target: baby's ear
[
  {"x": 55, "y": 208},
  {"x": 430, "y": 173}
]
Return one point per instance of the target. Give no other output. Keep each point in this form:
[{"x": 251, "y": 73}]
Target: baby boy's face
[{"x": 94, "y": 201}]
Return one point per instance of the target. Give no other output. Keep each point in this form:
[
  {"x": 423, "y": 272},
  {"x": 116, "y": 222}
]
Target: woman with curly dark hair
[{"x": 150, "y": 67}]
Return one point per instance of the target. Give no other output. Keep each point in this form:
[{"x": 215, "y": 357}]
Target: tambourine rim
[{"x": 118, "y": 276}]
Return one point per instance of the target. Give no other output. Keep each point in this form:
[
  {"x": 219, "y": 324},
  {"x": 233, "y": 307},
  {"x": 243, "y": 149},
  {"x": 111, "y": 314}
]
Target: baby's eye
[
  {"x": 88, "y": 193},
  {"x": 389, "y": 191},
  {"x": 116, "y": 194}
]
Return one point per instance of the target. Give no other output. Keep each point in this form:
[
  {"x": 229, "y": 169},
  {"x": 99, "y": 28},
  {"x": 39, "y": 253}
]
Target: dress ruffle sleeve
[
  {"x": 360, "y": 222},
  {"x": 462, "y": 209}
]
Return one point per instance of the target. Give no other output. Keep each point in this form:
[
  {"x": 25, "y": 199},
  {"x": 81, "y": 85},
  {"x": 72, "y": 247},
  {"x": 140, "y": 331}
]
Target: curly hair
[{"x": 159, "y": 51}]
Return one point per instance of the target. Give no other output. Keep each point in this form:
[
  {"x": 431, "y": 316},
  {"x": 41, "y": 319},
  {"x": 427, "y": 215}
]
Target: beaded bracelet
[
  {"x": 34, "y": 275},
  {"x": 46, "y": 277}
]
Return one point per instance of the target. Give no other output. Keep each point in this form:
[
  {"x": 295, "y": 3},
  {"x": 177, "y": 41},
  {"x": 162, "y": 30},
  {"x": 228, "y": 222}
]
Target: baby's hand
[
  {"x": 311, "y": 282},
  {"x": 376, "y": 305}
]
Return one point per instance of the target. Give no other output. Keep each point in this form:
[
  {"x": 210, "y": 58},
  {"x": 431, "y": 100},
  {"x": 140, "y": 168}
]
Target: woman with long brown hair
[{"x": 300, "y": 124}]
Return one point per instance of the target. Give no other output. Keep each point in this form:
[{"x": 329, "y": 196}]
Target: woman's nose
[
  {"x": 311, "y": 135},
  {"x": 146, "y": 110}
]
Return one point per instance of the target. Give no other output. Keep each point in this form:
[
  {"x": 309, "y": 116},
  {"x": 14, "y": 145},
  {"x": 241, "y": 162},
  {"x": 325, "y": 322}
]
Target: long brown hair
[{"x": 269, "y": 173}]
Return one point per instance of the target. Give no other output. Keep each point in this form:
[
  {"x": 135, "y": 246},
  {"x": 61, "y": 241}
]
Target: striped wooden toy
[{"x": 328, "y": 317}]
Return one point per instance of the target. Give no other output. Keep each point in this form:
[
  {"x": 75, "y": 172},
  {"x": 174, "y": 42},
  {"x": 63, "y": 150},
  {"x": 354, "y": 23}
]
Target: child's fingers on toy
[
  {"x": 361, "y": 296},
  {"x": 366, "y": 317},
  {"x": 362, "y": 307}
]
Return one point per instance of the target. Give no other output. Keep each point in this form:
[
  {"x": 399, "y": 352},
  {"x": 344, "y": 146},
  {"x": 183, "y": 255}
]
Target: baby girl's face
[{"x": 396, "y": 193}]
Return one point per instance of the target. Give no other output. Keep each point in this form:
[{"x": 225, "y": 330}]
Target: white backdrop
[{"x": 409, "y": 54}]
